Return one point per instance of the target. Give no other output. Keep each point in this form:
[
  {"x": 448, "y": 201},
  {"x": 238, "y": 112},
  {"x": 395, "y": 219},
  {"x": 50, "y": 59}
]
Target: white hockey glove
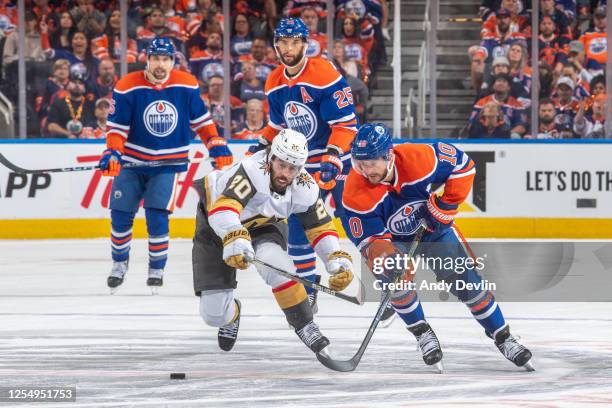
[
  {"x": 237, "y": 249},
  {"x": 340, "y": 267}
]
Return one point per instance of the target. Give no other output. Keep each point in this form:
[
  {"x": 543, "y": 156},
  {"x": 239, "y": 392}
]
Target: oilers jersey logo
[
  {"x": 405, "y": 221},
  {"x": 160, "y": 118},
  {"x": 598, "y": 45},
  {"x": 301, "y": 118}
]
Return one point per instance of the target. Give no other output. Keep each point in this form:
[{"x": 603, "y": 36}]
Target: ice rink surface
[{"x": 60, "y": 327}]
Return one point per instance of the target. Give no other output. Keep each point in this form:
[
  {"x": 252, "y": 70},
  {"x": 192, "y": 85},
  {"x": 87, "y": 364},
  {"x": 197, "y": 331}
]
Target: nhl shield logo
[
  {"x": 160, "y": 118},
  {"x": 300, "y": 117}
]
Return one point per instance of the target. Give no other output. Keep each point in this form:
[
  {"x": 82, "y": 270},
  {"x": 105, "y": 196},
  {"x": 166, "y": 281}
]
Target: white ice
[{"x": 60, "y": 326}]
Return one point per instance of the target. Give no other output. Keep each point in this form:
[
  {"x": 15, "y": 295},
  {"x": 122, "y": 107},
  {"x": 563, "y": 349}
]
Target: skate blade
[
  {"x": 114, "y": 290},
  {"x": 529, "y": 366},
  {"x": 439, "y": 367},
  {"x": 386, "y": 323},
  {"x": 154, "y": 290}
]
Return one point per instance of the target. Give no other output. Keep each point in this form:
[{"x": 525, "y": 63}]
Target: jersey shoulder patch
[
  {"x": 304, "y": 189},
  {"x": 360, "y": 195},
  {"x": 414, "y": 162}
]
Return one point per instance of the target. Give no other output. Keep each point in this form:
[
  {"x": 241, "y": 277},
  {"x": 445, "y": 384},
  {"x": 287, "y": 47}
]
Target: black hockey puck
[{"x": 177, "y": 376}]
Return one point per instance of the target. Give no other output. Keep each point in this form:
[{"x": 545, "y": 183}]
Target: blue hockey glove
[
  {"x": 110, "y": 162},
  {"x": 331, "y": 167},
  {"x": 218, "y": 150}
]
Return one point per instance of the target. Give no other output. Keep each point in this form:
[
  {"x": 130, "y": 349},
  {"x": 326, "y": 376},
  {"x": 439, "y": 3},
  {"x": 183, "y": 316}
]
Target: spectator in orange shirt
[
  {"x": 108, "y": 45},
  {"x": 174, "y": 22},
  {"x": 354, "y": 46},
  {"x": 252, "y": 127},
  {"x": 594, "y": 41},
  {"x": 203, "y": 10},
  {"x": 317, "y": 42}
]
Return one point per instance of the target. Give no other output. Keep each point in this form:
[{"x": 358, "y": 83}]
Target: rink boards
[{"x": 522, "y": 190}]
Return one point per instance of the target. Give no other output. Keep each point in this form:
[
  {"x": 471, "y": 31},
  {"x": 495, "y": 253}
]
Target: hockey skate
[
  {"x": 514, "y": 351},
  {"x": 117, "y": 276},
  {"x": 228, "y": 334},
  {"x": 155, "y": 280},
  {"x": 311, "y": 336},
  {"x": 429, "y": 345}
]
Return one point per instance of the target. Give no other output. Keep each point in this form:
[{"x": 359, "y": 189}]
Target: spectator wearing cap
[
  {"x": 252, "y": 128},
  {"x": 215, "y": 104},
  {"x": 242, "y": 38},
  {"x": 500, "y": 65},
  {"x": 514, "y": 111},
  {"x": 549, "y": 126},
  {"x": 71, "y": 111},
  {"x": 491, "y": 124},
  {"x": 507, "y": 9},
  {"x": 105, "y": 81},
  {"x": 595, "y": 41},
  {"x": 581, "y": 88},
  {"x": 577, "y": 58},
  {"x": 108, "y": 45},
  {"x": 592, "y": 125},
  {"x": 53, "y": 84},
  {"x": 552, "y": 46},
  {"x": 566, "y": 104},
  {"x": 88, "y": 19},
  {"x": 249, "y": 86},
  {"x": 317, "y": 41},
  {"x": 204, "y": 64},
  {"x": 102, "y": 108},
  {"x": 494, "y": 44}
]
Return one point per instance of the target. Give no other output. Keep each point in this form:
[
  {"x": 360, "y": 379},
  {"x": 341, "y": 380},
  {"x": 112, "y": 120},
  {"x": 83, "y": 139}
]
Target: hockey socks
[
  {"x": 121, "y": 234},
  {"x": 293, "y": 300},
  {"x": 157, "y": 227},
  {"x": 487, "y": 312}
]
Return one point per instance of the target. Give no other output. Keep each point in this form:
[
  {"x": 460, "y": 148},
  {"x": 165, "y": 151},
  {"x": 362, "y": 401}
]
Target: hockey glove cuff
[
  {"x": 440, "y": 214},
  {"x": 237, "y": 249},
  {"x": 110, "y": 163},
  {"x": 218, "y": 150}
]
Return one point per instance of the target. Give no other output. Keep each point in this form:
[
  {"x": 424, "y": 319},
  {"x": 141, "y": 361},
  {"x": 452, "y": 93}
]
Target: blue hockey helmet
[
  {"x": 291, "y": 27},
  {"x": 161, "y": 46},
  {"x": 372, "y": 141}
]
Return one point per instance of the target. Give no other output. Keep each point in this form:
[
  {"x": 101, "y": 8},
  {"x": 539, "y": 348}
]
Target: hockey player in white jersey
[{"x": 242, "y": 216}]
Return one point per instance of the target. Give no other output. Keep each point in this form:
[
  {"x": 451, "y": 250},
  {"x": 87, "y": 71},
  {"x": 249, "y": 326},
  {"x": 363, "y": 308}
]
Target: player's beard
[
  {"x": 297, "y": 60},
  {"x": 158, "y": 75},
  {"x": 279, "y": 184}
]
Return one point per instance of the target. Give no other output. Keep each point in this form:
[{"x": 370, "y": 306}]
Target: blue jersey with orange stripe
[
  {"x": 149, "y": 122},
  {"x": 317, "y": 102},
  {"x": 393, "y": 210}
]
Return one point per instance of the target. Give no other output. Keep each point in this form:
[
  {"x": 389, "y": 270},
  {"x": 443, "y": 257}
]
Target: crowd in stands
[
  {"x": 73, "y": 53},
  {"x": 570, "y": 65}
]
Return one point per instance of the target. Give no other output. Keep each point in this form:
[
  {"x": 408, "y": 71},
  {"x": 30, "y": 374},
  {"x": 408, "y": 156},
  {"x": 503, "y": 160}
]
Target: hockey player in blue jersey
[
  {"x": 310, "y": 96},
  {"x": 387, "y": 196},
  {"x": 153, "y": 117}
]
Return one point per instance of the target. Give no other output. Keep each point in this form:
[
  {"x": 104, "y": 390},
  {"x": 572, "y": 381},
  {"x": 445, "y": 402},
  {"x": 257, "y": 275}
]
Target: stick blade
[{"x": 343, "y": 366}]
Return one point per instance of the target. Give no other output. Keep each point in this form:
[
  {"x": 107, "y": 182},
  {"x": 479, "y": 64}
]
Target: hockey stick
[
  {"x": 351, "y": 364},
  {"x": 353, "y": 299},
  {"x": 156, "y": 163}
]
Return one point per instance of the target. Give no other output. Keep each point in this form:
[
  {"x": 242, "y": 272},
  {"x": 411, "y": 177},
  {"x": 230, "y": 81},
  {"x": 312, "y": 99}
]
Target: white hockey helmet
[{"x": 291, "y": 146}]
